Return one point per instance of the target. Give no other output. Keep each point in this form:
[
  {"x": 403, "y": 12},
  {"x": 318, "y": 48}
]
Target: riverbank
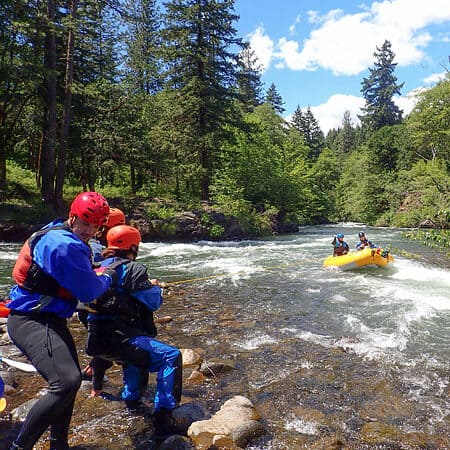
[{"x": 157, "y": 220}]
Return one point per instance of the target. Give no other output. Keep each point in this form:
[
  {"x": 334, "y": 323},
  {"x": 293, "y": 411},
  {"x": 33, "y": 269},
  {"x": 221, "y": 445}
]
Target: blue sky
[{"x": 318, "y": 51}]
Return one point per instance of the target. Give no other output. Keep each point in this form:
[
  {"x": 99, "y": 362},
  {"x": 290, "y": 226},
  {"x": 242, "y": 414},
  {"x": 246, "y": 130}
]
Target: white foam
[
  {"x": 302, "y": 426},
  {"x": 255, "y": 342}
]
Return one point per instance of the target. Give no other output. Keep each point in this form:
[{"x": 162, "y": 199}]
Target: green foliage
[
  {"x": 425, "y": 195},
  {"x": 160, "y": 211},
  {"x": 308, "y": 126},
  {"x": 361, "y": 192},
  {"x": 324, "y": 179},
  {"x": 429, "y": 122},
  {"x": 379, "y": 89},
  {"x": 168, "y": 106},
  {"x": 274, "y": 99},
  {"x": 439, "y": 239},
  {"x": 216, "y": 230},
  {"x": 384, "y": 146}
]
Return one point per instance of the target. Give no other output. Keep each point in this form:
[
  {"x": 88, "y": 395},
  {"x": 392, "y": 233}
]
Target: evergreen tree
[
  {"x": 142, "y": 45},
  {"x": 273, "y": 98},
  {"x": 314, "y": 135},
  {"x": 346, "y": 137},
  {"x": 249, "y": 79},
  {"x": 298, "y": 121},
  {"x": 309, "y": 127},
  {"x": 379, "y": 89},
  {"x": 21, "y": 71},
  {"x": 200, "y": 45}
]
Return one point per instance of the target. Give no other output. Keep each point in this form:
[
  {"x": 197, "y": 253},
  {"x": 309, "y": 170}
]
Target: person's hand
[
  {"x": 111, "y": 271},
  {"x": 155, "y": 282}
]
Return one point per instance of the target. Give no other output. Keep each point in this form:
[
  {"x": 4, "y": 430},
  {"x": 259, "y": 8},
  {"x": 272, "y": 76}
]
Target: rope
[{"x": 221, "y": 275}]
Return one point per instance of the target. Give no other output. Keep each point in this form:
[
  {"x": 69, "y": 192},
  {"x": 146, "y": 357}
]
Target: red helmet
[
  {"x": 116, "y": 217},
  {"x": 91, "y": 207},
  {"x": 123, "y": 237}
]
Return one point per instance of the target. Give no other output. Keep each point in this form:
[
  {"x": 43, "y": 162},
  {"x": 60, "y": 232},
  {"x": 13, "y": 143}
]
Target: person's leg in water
[
  {"x": 48, "y": 344},
  {"x": 133, "y": 380},
  {"x": 166, "y": 361},
  {"x": 99, "y": 367}
]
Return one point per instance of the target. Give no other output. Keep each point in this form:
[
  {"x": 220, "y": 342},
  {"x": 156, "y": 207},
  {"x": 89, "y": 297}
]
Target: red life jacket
[
  {"x": 4, "y": 310},
  {"x": 28, "y": 275}
]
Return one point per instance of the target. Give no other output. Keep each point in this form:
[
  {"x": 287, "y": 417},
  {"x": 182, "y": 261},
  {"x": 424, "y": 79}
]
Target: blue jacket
[
  {"x": 134, "y": 280},
  {"x": 366, "y": 242},
  {"x": 66, "y": 258},
  {"x": 97, "y": 248}
]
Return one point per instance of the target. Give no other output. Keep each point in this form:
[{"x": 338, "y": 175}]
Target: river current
[{"x": 321, "y": 353}]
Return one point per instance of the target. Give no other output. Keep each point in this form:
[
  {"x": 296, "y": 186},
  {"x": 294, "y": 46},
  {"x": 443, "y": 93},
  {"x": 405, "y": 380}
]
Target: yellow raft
[{"x": 366, "y": 257}]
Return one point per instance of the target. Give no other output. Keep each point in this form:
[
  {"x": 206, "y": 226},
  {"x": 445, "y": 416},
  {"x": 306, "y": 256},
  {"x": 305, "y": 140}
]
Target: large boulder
[{"x": 232, "y": 427}]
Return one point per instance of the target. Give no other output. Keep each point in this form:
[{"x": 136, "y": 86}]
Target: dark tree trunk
[
  {"x": 48, "y": 148},
  {"x": 62, "y": 153}
]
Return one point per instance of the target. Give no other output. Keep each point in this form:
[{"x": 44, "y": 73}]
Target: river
[{"x": 359, "y": 358}]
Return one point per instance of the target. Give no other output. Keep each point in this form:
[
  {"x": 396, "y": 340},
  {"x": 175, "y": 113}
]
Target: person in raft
[
  {"x": 364, "y": 242},
  {"x": 340, "y": 247},
  {"x": 53, "y": 272},
  {"x": 122, "y": 329},
  {"x": 98, "y": 366}
]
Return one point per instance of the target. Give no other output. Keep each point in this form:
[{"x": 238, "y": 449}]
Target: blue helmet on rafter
[{"x": 339, "y": 235}]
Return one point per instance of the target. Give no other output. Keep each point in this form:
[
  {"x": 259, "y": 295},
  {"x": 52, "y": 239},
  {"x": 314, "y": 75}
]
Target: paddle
[{"x": 18, "y": 365}]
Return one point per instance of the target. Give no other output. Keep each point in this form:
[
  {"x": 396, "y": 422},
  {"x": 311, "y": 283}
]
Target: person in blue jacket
[
  {"x": 122, "y": 329},
  {"x": 340, "y": 247},
  {"x": 364, "y": 242},
  {"x": 98, "y": 366},
  {"x": 54, "y": 271}
]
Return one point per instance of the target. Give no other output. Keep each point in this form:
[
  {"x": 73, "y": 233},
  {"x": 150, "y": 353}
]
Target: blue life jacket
[
  {"x": 66, "y": 260},
  {"x": 130, "y": 302}
]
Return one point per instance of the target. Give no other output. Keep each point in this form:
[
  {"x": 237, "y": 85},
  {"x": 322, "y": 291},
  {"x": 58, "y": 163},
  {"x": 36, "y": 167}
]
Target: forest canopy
[{"x": 168, "y": 102}]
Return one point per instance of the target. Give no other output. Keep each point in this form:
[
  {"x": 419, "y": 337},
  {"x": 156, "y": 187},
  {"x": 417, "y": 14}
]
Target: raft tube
[{"x": 366, "y": 257}]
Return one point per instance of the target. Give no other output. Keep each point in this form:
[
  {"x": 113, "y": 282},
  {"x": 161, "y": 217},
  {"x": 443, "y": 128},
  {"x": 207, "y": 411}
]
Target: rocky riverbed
[{"x": 344, "y": 402}]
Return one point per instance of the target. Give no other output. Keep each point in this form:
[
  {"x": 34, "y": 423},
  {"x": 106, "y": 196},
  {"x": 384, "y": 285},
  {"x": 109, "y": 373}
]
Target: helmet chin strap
[{"x": 71, "y": 219}]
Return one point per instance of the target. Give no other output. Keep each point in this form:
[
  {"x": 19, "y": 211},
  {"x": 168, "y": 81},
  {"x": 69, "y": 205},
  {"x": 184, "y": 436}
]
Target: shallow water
[{"x": 326, "y": 356}]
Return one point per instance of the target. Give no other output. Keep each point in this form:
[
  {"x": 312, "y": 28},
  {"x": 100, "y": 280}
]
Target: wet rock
[
  {"x": 214, "y": 367},
  {"x": 21, "y": 411},
  {"x": 163, "y": 320},
  {"x": 185, "y": 415},
  {"x": 176, "y": 442},
  {"x": 8, "y": 378},
  {"x": 190, "y": 357},
  {"x": 233, "y": 426},
  {"x": 195, "y": 378}
]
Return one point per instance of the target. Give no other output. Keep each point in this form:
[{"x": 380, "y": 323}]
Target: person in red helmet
[
  {"x": 98, "y": 242},
  {"x": 122, "y": 328},
  {"x": 52, "y": 273},
  {"x": 97, "y": 367}
]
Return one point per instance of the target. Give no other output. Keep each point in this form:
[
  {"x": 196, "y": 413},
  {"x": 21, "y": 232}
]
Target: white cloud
[
  {"x": 331, "y": 113},
  {"x": 345, "y": 43},
  {"x": 263, "y": 47},
  {"x": 434, "y": 78},
  {"x": 292, "y": 28}
]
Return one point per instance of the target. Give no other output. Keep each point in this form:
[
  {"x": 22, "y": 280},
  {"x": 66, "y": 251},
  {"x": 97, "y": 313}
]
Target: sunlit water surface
[{"x": 391, "y": 322}]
